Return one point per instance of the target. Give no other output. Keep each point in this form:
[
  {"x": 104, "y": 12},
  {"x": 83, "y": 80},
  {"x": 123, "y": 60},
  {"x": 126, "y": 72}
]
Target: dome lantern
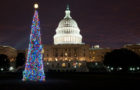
[{"x": 67, "y": 12}]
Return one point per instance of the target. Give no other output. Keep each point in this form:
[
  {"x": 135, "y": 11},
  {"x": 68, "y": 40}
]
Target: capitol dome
[{"x": 67, "y": 31}]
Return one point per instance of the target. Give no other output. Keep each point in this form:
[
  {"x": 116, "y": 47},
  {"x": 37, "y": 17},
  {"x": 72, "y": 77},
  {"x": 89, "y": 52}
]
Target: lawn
[{"x": 87, "y": 81}]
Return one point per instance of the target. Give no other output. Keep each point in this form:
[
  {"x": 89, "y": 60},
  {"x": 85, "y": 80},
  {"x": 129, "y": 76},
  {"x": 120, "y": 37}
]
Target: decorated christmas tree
[{"x": 34, "y": 63}]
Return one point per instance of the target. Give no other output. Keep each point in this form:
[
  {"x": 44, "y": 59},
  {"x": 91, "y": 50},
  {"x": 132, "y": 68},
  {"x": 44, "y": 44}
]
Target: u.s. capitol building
[{"x": 69, "y": 53}]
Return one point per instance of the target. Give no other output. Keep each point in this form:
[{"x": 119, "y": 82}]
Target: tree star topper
[{"x": 36, "y": 6}]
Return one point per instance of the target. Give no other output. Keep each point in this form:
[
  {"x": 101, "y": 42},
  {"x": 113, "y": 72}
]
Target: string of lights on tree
[{"x": 34, "y": 64}]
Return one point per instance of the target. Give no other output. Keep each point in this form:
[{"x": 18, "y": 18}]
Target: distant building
[
  {"x": 97, "y": 53},
  {"x": 133, "y": 47},
  {"x": 10, "y": 52}
]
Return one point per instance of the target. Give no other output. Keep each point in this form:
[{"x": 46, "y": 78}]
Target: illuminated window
[
  {"x": 93, "y": 52},
  {"x": 93, "y": 58},
  {"x": 80, "y": 64},
  {"x": 63, "y": 65},
  {"x": 66, "y": 58},
  {"x": 74, "y": 64},
  {"x": 56, "y": 59},
  {"x": 45, "y": 59},
  {"x": 66, "y": 54}
]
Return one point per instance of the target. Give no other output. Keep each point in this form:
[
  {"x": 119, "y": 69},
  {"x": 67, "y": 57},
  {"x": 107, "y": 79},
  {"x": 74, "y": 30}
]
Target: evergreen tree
[
  {"x": 34, "y": 64},
  {"x": 20, "y": 59}
]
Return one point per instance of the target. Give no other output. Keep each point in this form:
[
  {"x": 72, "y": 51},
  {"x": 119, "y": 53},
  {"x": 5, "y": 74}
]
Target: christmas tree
[{"x": 34, "y": 64}]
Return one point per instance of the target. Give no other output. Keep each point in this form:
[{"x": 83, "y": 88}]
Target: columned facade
[{"x": 66, "y": 57}]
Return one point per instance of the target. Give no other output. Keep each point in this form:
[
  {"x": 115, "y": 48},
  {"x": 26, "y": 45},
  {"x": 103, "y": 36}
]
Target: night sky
[{"x": 109, "y": 23}]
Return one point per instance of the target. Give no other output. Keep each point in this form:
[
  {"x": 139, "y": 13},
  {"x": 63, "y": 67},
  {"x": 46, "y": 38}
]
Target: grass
[{"x": 87, "y": 81}]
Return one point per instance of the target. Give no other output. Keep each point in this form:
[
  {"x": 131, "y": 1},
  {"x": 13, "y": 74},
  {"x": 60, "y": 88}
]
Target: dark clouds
[{"x": 110, "y": 23}]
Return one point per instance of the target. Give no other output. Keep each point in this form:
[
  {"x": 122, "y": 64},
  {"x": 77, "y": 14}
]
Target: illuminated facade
[
  {"x": 71, "y": 57},
  {"x": 67, "y": 31},
  {"x": 66, "y": 52}
]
